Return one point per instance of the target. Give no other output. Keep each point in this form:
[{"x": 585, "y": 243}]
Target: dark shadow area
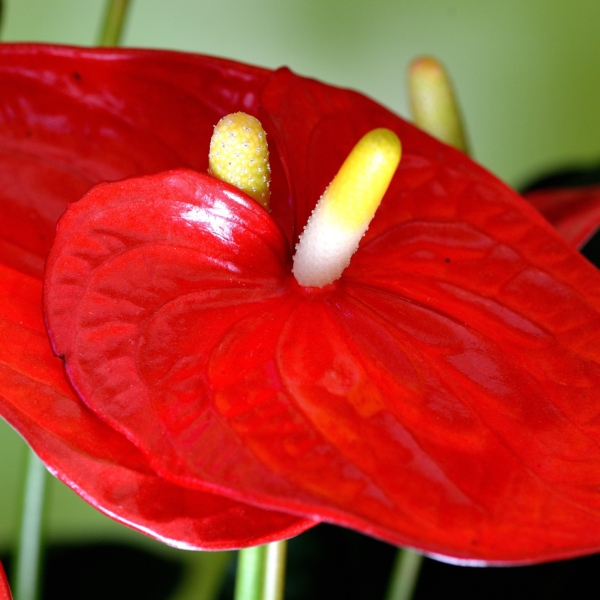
[
  {"x": 562, "y": 580},
  {"x": 101, "y": 571},
  {"x": 324, "y": 563},
  {"x": 567, "y": 177},
  {"x": 329, "y": 562},
  {"x": 591, "y": 249}
]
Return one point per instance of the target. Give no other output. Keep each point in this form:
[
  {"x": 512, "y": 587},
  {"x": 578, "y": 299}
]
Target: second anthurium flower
[{"x": 441, "y": 394}]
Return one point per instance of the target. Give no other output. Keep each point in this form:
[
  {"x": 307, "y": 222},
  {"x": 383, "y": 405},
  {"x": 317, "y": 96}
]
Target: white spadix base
[{"x": 325, "y": 249}]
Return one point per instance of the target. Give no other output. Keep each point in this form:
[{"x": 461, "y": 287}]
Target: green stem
[
  {"x": 405, "y": 574},
  {"x": 274, "y": 583},
  {"x": 261, "y": 572},
  {"x": 28, "y": 563},
  {"x": 250, "y": 573},
  {"x": 114, "y": 19}
]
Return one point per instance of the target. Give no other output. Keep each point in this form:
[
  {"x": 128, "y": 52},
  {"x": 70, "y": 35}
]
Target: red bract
[
  {"x": 575, "y": 212},
  {"x": 4, "y": 589},
  {"x": 68, "y": 119},
  {"x": 441, "y": 394}
]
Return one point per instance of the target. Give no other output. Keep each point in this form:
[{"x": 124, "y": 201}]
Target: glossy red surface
[
  {"x": 441, "y": 395},
  {"x": 575, "y": 212}
]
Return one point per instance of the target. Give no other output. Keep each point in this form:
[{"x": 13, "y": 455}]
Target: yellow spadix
[
  {"x": 433, "y": 103},
  {"x": 239, "y": 155},
  {"x": 345, "y": 210}
]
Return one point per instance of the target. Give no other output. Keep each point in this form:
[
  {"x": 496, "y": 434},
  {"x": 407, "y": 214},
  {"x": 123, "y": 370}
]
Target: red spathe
[
  {"x": 4, "y": 588},
  {"x": 441, "y": 394}
]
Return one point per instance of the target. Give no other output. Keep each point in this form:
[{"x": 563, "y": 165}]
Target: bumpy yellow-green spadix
[
  {"x": 239, "y": 155},
  {"x": 345, "y": 210},
  {"x": 433, "y": 102}
]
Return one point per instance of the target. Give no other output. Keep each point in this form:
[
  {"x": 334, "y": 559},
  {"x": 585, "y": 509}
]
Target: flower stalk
[
  {"x": 250, "y": 570},
  {"x": 114, "y": 19},
  {"x": 261, "y": 572},
  {"x": 29, "y": 551},
  {"x": 274, "y": 582},
  {"x": 405, "y": 575}
]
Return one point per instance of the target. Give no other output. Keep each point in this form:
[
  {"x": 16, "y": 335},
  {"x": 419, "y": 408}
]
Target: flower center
[
  {"x": 344, "y": 212},
  {"x": 239, "y": 155}
]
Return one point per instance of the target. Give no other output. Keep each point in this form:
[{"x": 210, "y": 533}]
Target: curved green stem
[
  {"x": 28, "y": 563},
  {"x": 250, "y": 571},
  {"x": 405, "y": 574},
  {"x": 261, "y": 572},
  {"x": 274, "y": 583},
  {"x": 114, "y": 19}
]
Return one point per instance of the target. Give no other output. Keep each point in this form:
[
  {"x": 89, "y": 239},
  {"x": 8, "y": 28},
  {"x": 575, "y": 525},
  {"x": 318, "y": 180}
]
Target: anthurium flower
[{"x": 441, "y": 394}]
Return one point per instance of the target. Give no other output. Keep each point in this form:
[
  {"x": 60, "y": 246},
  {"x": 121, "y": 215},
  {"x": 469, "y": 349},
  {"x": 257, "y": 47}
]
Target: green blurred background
[{"x": 527, "y": 73}]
